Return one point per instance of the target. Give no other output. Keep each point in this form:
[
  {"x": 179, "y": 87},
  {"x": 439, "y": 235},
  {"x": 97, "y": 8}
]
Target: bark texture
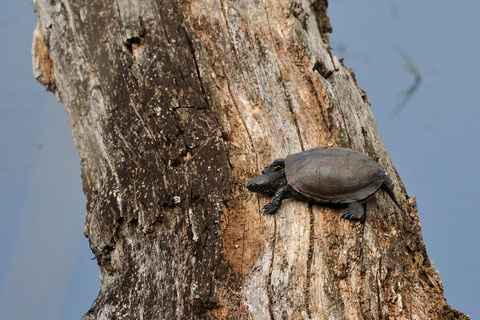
[{"x": 174, "y": 105}]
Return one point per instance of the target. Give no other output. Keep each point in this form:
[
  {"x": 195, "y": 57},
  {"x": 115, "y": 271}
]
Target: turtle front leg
[
  {"x": 276, "y": 165},
  {"x": 282, "y": 193},
  {"x": 354, "y": 211}
]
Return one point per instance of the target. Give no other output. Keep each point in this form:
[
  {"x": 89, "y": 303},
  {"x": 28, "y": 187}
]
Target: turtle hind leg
[
  {"x": 276, "y": 165},
  {"x": 388, "y": 186},
  {"x": 354, "y": 211}
]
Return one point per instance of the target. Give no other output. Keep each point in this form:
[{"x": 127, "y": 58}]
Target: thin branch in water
[
  {"x": 393, "y": 9},
  {"x": 412, "y": 69}
]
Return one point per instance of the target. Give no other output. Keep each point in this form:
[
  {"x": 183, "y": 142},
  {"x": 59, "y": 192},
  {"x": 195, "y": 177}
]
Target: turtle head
[{"x": 267, "y": 183}]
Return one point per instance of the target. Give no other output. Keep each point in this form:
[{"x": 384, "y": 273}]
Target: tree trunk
[{"x": 174, "y": 105}]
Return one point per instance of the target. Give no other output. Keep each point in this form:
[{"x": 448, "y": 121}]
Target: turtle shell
[{"x": 333, "y": 175}]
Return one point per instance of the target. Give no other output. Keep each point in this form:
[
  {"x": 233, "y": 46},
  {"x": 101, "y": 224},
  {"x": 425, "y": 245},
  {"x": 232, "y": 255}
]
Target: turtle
[{"x": 331, "y": 175}]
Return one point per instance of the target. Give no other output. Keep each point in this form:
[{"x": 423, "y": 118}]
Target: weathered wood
[{"x": 174, "y": 105}]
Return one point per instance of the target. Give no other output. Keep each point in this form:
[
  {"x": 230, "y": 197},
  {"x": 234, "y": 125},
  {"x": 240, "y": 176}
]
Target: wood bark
[{"x": 173, "y": 106}]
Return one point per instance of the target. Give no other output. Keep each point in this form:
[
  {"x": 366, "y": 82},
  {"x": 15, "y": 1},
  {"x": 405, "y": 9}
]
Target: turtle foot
[
  {"x": 271, "y": 208},
  {"x": 354, "y": 211}
]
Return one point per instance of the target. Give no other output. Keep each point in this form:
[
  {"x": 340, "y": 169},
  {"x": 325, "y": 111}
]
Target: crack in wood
[
  {"x": 322, "y": 69},
  {"x": 270, "y": 292},
  {"x": 379, "y": 300},
  {"x": 192, "y": 50},
  {"x": 308, "y": 300},
  {"x": 243, "y": 242},
  {"x": 231, "y": 37},
  {"x": 250, "y": 139},
  {"x": 197, "y": 68},
  {"x": 288, "y": 99}
]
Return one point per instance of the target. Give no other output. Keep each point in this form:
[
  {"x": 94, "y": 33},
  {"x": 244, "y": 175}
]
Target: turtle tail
[{"x": 388, "y": 186}]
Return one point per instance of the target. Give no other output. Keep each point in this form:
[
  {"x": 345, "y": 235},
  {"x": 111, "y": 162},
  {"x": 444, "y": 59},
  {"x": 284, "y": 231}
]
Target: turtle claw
[
  {"x": 345, "y": 215},
  {"x": 349, "y": 216},
  {"x": 270, "y": 208},
  {"x": 354, "y": 211}
]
